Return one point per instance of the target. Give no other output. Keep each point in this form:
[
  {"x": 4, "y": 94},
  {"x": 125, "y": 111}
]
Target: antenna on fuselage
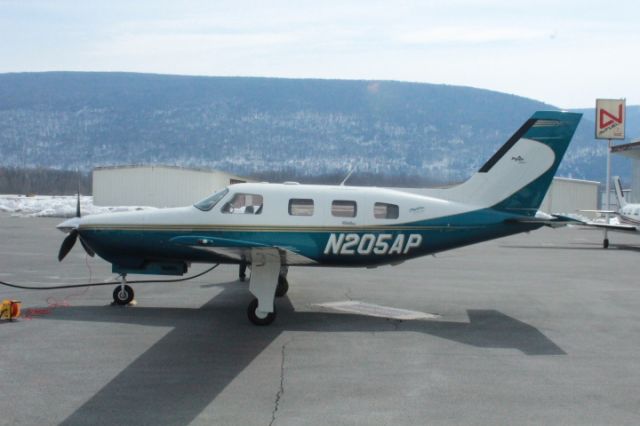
[{"x": 347, "y": 177}]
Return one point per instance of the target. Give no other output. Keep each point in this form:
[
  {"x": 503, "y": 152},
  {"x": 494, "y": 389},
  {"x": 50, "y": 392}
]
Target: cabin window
[
  {"x": 244, "y": 204},
  {"x": 386, "y": 211},
  {"x": 301, "y": 207},
  {"x": 209, "y": 202},
  {"x": 344, "y": 208}
]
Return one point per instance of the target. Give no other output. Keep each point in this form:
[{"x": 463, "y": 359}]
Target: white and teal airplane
[
  {"x": 628, "y": 215},
  {"x": 273, "y": 226}
]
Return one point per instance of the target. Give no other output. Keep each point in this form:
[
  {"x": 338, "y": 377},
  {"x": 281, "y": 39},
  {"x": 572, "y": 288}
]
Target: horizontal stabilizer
[{"x": 553, "y": 221}]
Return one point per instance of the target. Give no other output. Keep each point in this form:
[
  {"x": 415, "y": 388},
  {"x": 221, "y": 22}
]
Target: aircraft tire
[
  {"x": 283, "y": 286},
  {"x": 256, "y": 320},
  {"x": 605, "y": 243},
  {"x": 123, "y": 297}
]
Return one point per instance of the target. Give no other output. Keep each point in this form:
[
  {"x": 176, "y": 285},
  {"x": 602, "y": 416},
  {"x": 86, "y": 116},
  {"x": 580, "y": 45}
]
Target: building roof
[
  {"x": 628, "y": 149},
  {"x": 163, "y": 166}
]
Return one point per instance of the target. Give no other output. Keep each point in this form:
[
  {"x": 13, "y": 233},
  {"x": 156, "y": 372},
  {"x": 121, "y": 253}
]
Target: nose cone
[{"x": 69, "y": 225}]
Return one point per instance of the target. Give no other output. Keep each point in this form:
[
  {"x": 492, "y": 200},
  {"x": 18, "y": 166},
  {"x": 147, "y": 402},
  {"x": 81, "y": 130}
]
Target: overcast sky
[{"x": 563, "y": 52}]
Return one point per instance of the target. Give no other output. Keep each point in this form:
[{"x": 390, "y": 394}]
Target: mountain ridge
[{"x": 248, "y": 125}]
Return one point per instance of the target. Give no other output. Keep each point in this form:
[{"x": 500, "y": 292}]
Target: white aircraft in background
[
  {"x": 273, "y": 226},
  {"x": 628, "y": 215}
]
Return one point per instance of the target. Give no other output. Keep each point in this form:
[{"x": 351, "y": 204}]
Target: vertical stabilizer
[
  {"x": 619, "y": 194},
  {"x": 516, "y": 178}
]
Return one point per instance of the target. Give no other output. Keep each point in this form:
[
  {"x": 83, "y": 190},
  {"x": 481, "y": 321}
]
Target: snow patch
[{"x": 56, "y": 206}]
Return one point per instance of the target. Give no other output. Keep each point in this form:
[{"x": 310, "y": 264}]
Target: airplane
[
  {"x": 272, "y": 226},
  {"x": 628, "y": 215}
]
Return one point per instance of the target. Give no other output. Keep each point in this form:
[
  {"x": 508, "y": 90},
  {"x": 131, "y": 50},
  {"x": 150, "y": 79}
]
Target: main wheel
[
  {"x": 605, "y": 243},
  {"x": 283, "y": 286},
  {"x": 263, "y": 319},
  {"x": 122, "y": 295}
]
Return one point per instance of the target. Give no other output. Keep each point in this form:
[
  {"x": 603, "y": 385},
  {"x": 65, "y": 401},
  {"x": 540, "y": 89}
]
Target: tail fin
[
  {"x": 619, "y": 194},
  {"x": 517, "y": 177}
]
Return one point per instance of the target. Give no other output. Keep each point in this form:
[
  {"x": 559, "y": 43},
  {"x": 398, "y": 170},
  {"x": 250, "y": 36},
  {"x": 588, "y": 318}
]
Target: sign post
[{"x": 610, "y": 124}]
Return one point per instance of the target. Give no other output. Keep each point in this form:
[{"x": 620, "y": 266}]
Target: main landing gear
[
  {"x": 123, "y": 294},
  {"x": 605, "y": 242},
  {"x": 268, "y": 281},
  {"x": 283, "y": 283},
  {"x": 259, "y": 318}
]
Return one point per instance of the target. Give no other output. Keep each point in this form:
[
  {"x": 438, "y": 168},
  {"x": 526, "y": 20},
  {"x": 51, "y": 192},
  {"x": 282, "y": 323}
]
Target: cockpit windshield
[{"x": 209, "y": 202}]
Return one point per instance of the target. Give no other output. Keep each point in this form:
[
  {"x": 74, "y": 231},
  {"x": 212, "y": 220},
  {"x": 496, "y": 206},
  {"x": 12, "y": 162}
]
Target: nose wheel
[{"x": 123, "y": 294}]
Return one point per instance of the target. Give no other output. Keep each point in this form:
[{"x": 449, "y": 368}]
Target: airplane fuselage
[{"x": 310, "y": 224}]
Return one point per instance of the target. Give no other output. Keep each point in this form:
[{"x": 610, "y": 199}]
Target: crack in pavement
[{"x": 276, "y": 404}]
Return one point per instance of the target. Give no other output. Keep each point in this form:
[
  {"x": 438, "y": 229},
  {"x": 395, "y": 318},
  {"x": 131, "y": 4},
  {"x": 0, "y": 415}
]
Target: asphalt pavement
[{"x": 539, "y": 328}]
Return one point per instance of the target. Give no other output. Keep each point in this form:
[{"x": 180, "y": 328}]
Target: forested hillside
[{"x": 254, "y": 126}]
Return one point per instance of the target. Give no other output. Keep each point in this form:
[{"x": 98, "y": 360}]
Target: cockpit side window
[
  {"x": 244, "y": 204},
  {"x": 209, "y": 202}
]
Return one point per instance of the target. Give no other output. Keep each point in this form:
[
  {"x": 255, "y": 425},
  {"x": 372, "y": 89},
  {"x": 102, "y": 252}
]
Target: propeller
[
  {"x": 67, "y": 244},
  {"x": 86, "y": 248},
  {"x": 70, "y": 240}
]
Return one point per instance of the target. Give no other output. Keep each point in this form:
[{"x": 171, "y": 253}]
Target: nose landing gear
[{"x": 123, "y": 294}]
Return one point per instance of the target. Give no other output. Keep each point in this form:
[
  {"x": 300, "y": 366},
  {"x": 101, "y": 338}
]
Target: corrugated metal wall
[
  {"x": 158, "y": 186},
  {"x": 567, "y": 196}
]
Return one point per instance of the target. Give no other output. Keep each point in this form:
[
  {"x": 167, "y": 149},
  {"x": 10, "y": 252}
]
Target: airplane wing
[
  {"x": 612, "y": 227},
  {"x": 601, "y": 211},
  {"x": 240, "y": 249}
]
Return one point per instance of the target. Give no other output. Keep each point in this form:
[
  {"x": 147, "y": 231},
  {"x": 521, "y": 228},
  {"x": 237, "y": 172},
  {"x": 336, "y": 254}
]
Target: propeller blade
[
  {"x": 86, "y": 248},
  {"x": 78, "y": 203},
  {"x": 67, "y": 244}
]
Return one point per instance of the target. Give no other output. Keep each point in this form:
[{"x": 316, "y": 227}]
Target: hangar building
[
  {"x": 631, "y": 150},
  {"x": 156, "y": 186},
  {"x": 567, "y": 196}
]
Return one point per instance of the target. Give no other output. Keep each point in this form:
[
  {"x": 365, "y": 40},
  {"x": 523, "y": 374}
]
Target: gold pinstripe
[{"x": 249, "y": 228}]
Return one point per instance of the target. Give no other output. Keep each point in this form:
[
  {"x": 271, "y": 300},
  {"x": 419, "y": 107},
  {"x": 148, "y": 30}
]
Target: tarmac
[{"x": 539, "y": 328}]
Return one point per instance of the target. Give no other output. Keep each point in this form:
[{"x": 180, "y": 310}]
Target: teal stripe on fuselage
[{"x": 132, "y": 247}]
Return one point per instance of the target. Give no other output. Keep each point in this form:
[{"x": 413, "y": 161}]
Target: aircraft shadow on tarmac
[{"x": 179, "y": 376}]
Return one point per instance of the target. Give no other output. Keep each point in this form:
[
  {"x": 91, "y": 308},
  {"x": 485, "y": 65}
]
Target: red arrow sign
[{"x": 611, "y": 118}]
